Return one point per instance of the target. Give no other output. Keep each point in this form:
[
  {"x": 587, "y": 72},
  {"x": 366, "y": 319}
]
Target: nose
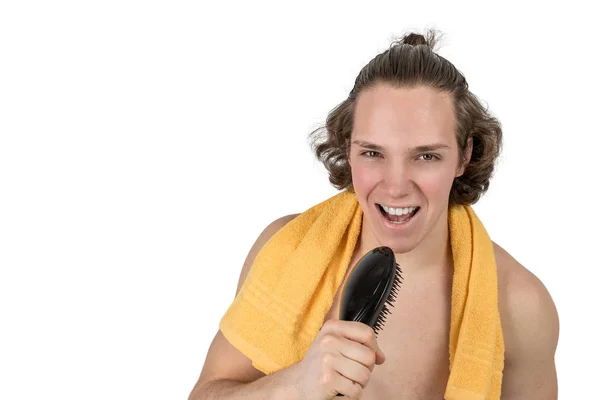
[{"x": 397, "y": 180}]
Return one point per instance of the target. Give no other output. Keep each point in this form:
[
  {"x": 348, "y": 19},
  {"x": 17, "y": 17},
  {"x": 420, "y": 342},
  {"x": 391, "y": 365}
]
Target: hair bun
[
  {"x": 414, "y": 39},
  {"x": 430, "y": 39}
]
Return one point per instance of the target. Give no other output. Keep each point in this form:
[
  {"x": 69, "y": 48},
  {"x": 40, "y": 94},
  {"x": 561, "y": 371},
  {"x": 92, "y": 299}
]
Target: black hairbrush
[{"x": 372, "y": 286}]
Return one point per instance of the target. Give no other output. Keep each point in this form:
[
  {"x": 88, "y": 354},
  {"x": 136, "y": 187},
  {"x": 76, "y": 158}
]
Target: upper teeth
[{"x": 398, "y": 211}]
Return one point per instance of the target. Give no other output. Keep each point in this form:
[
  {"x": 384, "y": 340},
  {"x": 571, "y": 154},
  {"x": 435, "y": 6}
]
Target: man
[{"x": 409, "y": 142}]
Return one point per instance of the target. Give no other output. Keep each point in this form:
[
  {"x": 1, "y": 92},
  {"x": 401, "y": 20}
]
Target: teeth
[{"x": 398, "y": 211}]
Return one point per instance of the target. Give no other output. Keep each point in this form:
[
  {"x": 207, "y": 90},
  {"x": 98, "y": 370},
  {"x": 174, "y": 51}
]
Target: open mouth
[{"x": 398, "y": 216}]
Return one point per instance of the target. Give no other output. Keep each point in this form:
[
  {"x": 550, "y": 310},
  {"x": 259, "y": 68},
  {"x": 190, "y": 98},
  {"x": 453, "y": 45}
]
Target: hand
[{"x": 340, "y": 360}]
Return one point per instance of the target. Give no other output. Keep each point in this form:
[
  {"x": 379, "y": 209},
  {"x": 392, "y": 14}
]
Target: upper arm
[
  {"x": 223, "y": 360},
  {"x": 530, "y": 327}
]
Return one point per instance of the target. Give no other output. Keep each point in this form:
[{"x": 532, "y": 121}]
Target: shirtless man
[{"x": 405, "y": 149}]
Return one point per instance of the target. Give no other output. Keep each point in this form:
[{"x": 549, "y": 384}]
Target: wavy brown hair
[{"x": 409, "y": 62}]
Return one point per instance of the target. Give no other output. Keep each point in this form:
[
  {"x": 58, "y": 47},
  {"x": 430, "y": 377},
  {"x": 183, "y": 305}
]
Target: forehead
[{"x": 421, "y": 113}]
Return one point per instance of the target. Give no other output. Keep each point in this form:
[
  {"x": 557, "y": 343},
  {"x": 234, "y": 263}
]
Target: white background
[{"x": 145, "y": 145}]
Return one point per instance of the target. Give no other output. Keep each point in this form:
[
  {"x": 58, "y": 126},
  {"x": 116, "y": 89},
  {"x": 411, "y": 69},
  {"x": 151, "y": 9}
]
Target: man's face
[{"x": 392, "y": 168}]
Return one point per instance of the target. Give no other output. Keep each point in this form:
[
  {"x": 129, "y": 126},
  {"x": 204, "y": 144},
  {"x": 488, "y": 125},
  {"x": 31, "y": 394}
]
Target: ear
[{"x": 467, "y": 157}]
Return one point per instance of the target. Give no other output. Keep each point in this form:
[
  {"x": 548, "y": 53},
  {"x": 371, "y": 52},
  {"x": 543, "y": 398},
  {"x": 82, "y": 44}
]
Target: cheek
[
  {"x": 364, "y": 177},
  {"x": 436, "y": 186}
]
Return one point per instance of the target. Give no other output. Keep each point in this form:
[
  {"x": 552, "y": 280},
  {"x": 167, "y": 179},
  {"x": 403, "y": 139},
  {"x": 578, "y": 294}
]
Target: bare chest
[{"x": 415, "y": 341}]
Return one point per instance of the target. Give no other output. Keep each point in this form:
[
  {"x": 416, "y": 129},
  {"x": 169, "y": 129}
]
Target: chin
[{"x": 400, "y": 245}]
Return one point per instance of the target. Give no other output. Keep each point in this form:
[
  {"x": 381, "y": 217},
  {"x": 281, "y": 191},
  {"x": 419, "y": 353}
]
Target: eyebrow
[{"x": 425, "y": 147}]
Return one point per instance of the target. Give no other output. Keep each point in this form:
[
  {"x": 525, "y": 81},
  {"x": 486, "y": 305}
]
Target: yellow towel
[{"x": 290, "y": 288}]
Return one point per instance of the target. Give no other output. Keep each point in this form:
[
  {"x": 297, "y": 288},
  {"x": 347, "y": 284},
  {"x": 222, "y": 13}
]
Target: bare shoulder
[
  {"x": 522, "y": 295},
  {"x": 223, "y": 360},
  {"x": 530, "y": 326}
]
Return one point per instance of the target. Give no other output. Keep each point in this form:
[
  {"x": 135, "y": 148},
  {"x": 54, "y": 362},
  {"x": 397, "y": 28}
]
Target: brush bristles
[{"x": 385, "y": 311}]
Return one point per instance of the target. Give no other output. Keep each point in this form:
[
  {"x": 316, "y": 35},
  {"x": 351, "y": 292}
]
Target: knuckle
[
  {"x": 326, "y": 378},
  {"x": 330, "y": 324},
  {"x": 328, "y": 341},
  {"x": 326, "y": 359}
]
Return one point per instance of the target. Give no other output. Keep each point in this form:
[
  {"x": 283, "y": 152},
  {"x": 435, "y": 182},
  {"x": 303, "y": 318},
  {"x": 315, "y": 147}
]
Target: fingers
[
  {"x": 357, "y": 332},
  {"x": 342, "y": 385},
  {"x": 348, "y": 352},
  {"x": 357, "y": 352},
  {"x": 354, "y": 371}
]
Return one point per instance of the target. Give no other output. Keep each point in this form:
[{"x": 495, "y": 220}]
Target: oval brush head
[{"x": 372, "y": 286}]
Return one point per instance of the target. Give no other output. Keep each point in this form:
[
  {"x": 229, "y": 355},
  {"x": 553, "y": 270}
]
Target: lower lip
[{"x": 394, "y": 226}]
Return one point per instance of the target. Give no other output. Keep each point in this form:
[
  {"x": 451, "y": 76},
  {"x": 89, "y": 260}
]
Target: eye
[
  {"x": 368, "y": 154},
  {"x": 429, "y": 157}
]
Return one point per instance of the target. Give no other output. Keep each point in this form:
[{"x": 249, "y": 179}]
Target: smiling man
[{"x": 413, "y": 148}]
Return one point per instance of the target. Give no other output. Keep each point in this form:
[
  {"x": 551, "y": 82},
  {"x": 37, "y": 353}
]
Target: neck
[{"x": 433, "y": 253}]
